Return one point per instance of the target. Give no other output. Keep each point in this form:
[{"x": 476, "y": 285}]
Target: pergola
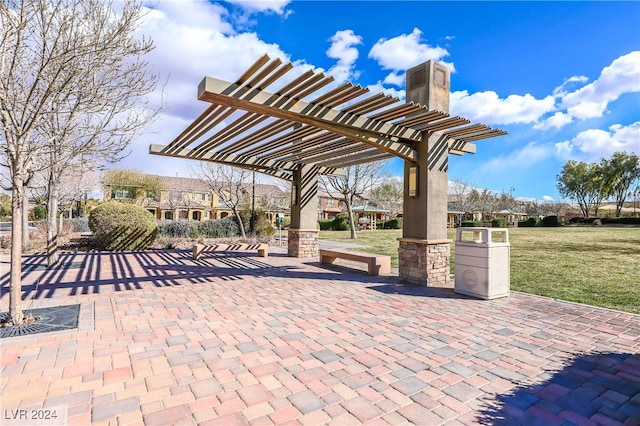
[{"x": 304, "y": 127}]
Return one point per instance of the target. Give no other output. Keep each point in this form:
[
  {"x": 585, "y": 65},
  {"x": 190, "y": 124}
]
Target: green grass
[{"x": 598, "y": 266}]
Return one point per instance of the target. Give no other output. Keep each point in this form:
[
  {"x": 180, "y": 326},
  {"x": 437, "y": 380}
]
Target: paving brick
[
  {"x": 418, "y": 415},
  {"x": 255, "y": 394},
  {"x": 361, "y": 408},
  {"x": 409, "y": 386},
  {"x": 306, "y": 402},
  {"x": 207, "y": 344},
  {"x": 115, "y": 408}
]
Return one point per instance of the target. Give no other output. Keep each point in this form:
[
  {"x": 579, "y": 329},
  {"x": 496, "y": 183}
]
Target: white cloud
[
  {"x": 406, "y": 51},
  {"x": 547, "y": 198},
  {"x": 567, "y": 103},
  {"x": 593, "y": 144},
  {"x": 571, "y": 81},
  {"x": 342, "y": 48},
  {"x": 622, "y": 76},
  {"x": 194, "y": 40},
  {"x": 557, "y": 120},
  {"x": 276, "y": 6},
  {"x": 487, "y": 107},
  {"x": 395, "y": 78}
]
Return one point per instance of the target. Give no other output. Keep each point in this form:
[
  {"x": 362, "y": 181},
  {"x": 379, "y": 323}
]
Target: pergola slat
[
  {"x": 310, "y": 132},
  {"x": 266, "y": 132}
]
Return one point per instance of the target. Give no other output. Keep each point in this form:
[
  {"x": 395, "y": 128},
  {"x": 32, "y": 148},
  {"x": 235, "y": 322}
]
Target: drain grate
[{"x": 55, "y": 318}]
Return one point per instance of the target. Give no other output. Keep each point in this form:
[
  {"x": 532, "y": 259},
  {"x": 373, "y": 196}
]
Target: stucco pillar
[
  {"x": 424, "y": 249},
  {"x": 303, "y": 233}
]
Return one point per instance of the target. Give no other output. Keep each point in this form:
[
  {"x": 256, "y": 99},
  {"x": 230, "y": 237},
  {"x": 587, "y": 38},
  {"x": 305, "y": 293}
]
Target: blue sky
[{"x": 563, "y": 78}]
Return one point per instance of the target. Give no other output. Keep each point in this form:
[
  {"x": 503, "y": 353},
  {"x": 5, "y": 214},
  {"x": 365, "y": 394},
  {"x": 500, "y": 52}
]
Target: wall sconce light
[
  {"x": 413, "y": 181},
  {"x": 294, "y": 195}
]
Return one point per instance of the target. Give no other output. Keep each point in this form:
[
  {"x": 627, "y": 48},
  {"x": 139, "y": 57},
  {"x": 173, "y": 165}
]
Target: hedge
[
  {"x": 550, "y": 221},
  {"x": 339, "y": 223},
  {"x": 500, "y": 222},
  {"x": 471, "y": 224},
  {"x": 119, "y": 226},
  {"x": 218, "y": 228},
  {"x": 530, "y": 223}
]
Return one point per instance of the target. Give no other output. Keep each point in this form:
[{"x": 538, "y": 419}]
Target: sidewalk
[{"x": 239, "y": 339}]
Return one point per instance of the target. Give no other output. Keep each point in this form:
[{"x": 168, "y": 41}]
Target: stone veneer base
[
  {"x": 303, "y": 243},
  {"x": 425, "y": 262}
]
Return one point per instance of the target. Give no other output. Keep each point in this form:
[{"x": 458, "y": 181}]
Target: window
[
  {"x": 150, "y": 193},
  {"x": 193, "y": 197},
  {"x": 122, "y": 193},
  {"x": 203, "y": 197}
]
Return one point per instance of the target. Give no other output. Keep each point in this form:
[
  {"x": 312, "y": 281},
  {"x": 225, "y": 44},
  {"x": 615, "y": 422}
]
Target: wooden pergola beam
[
  {"x": 376, "y": 133},
  {"x": 281, "y": 169}
]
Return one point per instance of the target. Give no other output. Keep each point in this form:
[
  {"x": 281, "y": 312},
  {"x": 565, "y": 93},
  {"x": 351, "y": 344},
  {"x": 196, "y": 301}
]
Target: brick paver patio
[{"x": 238, "y": 339}]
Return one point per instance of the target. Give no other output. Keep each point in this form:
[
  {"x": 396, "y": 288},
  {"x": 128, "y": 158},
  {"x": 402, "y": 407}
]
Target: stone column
[
  {"x": 303, "y": 233},
  {"x": 424, "y": 249}
]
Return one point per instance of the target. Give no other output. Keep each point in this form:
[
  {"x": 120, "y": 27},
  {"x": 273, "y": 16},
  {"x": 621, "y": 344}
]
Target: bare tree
[
  {"x": 229, "y": 184},
  {"x": 72, "y": 82},
  {"x": 463, "y": 196},
  {"x": 356, "y": 181},
  {"x": 389, "y": 195}
]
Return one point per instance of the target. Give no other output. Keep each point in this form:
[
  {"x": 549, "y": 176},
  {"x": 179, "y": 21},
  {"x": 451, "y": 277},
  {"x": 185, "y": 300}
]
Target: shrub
[
  {"x": 119, "y": 226},
  {"x": 395, "y": 223},
  {"x": 530, "y": 223},
  {"x": 550, "y": 221},
  {"x": 78, "y": 224},
  {"x": 500, "y": 222},
  {"x": 471, "y": 223},
  {"x": 218, "y": 228},
  {"x": 325, "y": 225},
  {"x": 340, "y": 223},
  {"x": 39, "y": 212},
  {"x": 178, "y": 228},
  {"x": 262, "y": 228},
  {"x": 597, "y": 222},
  {"x": 630, "y": 220}
]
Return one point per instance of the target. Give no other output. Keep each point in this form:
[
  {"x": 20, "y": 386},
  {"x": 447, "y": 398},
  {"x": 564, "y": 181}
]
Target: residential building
[{"x": 192, "y": 199}]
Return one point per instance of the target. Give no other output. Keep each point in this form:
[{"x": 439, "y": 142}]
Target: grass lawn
[{"x": 598, "y": 266}]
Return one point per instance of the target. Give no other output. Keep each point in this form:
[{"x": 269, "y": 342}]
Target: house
[
  {"x": 330, "y": 205},
  {"x": 512, "y": 217},
  {"x": 192, "y": 199}
]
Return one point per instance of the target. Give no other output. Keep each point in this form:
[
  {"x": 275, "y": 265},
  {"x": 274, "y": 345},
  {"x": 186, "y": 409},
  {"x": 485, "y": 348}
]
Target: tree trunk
[
  {"x": 352, "y": 224},
  {"x": 15, "y": 283},
  {"x": 52, "y": 229},
  {"x": 240, "y": 224},
  {"x": 25, "y": 221}
]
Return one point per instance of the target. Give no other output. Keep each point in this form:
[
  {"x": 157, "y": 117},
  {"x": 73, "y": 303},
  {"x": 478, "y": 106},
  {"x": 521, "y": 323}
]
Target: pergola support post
[
  {"x": 424, "y": 250},
  {"x": 303, "y": 233}
]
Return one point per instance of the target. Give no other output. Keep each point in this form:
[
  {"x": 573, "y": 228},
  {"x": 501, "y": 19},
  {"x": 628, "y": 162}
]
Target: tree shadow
[
  {"x": 591, "y": 388},
  {"x": 95, "y": 272}
]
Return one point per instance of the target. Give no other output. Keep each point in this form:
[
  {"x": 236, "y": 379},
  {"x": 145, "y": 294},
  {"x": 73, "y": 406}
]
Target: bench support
[{"x": 376, "y": 263}]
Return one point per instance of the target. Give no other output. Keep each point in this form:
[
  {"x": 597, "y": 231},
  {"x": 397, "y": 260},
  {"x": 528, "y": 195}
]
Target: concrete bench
[
  {"x": 376, "y": 263},
  {"x": 198, "y": 249}
]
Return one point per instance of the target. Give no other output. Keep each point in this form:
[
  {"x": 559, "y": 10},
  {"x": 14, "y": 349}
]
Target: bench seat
[
  {"x": 376, "y": 263},
  {"x": 261, "y": 248}
]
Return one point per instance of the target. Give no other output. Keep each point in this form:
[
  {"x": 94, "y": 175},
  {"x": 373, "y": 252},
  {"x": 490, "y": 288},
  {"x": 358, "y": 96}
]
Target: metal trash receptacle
[{"x": 482, "y": 262}]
